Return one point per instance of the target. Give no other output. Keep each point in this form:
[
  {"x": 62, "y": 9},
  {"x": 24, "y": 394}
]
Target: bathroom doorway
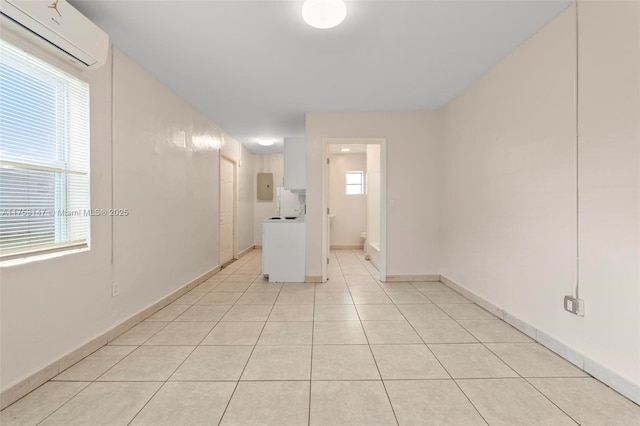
[{"x": 354, "y": 199}]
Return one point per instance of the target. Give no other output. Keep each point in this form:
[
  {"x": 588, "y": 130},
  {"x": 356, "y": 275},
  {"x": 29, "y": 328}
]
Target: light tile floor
[{"x": 238, "y": 350}]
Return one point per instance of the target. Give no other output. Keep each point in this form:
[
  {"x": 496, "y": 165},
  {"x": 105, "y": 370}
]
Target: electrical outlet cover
[{"x": 573, "y": 305}]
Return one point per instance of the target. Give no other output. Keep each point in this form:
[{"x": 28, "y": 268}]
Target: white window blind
[
  {"x": 44, "y": 156},
  {"x": 355, "y": 183}
]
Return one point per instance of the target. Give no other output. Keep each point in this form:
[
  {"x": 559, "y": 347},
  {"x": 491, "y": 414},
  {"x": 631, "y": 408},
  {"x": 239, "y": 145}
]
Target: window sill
[{"x": 40, "y": 257}]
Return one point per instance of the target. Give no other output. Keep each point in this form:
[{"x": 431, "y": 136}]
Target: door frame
[
  {"x": 326, "y": 142},
  {"x": 233, "y": 161}
]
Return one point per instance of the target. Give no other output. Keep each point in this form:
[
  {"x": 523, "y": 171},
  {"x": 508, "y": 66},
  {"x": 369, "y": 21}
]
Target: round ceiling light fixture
[
  {"x": 265, "y": 142},
  {"x": 324, "y": 14}
]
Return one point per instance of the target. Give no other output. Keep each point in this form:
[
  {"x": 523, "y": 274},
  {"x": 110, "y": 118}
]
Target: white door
[
  {"x": 227, "y": 207},
  {"x": 328, "y": 186}
]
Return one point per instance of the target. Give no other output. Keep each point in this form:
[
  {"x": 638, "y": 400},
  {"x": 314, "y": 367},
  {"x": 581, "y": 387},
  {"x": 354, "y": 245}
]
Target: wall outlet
[
  {"x": 115, "y": 289},
  {"x": 573, "y": 305}
]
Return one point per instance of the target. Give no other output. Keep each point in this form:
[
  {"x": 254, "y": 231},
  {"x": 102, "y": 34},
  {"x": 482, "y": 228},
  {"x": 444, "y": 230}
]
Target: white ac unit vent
[{"x": 59, "y": 27}]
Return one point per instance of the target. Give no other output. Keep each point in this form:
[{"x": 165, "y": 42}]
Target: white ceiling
[{"x": 255, "y": 68}]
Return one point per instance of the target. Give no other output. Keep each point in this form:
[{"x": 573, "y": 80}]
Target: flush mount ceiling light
[
  {"x": 324, "y": 14},
  {"x": 265, "y": 142},
  {"x": 345, "y": 149}
]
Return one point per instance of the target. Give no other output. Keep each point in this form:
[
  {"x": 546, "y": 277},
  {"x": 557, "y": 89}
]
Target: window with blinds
[{"x": 44, "y": 156}]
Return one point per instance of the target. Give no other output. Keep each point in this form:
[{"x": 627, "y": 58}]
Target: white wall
[
  {"x": 609, "y": 166},
  {"x": 166, "y": 174},
  {"x": 264, "y": 209},
  {"x": 350, "y": 210},
  {"x": 49, "y": 307},
  {"x": 246, "y": 197},
  {"x": 164, "y": 157},
  {"x": 510, "y": 190},
  {"x": 414, "y": 140},
  {"x": 373, "y": 195}
]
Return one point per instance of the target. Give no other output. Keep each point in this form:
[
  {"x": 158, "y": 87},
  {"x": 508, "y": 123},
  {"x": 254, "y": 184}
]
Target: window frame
[
  {"x": 360, "y": 185},
  {"x": 40, "y": 65}
]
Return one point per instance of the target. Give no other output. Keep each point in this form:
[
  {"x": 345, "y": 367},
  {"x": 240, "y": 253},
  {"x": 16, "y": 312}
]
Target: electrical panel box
[{"x": 265, "y": 186}]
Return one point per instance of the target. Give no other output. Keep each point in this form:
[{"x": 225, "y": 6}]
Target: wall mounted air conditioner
[{"x": 59, "y": 27}]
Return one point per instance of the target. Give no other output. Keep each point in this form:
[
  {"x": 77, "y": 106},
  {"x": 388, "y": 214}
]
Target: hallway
[{"x": 238, "y": 350}]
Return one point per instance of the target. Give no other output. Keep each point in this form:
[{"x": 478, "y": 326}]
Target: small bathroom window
[{"x": 355, "y": 183}]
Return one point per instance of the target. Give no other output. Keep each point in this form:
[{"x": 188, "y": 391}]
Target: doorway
[
  {"x": 352, "y": 183},
  {"x": 228, "y": 209}
]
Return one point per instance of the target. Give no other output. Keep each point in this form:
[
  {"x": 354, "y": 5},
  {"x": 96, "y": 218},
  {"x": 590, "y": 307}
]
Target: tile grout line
[
  {"x": 549, "y": 399},
  {"x": 386, "y": 290},
  {"x": 480, "y": 341},
  {"x": 190, "y": 353},
  {"x": 147, "y": 402},
  {"x": 395, "y": 416},
  {"x": 338, "y": 380},
  {"x": 174, "y": 320},
  {"x": 438, "y": 359},
  {"x": 96, "y": 380},
  {"x": 224, "y": 412},
  {"x": 62, "y": 405},
  {"x": 519, "y": 376},
  {"x": 313, "y": 326},
  {"x": 477, "y": 341}
]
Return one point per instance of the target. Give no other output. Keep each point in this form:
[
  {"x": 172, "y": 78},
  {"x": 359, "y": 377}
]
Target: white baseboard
[
  {"x": 602, "y": 373},
  {"x": 472, "y": 296},
  {"x": 258, "y": 246},
  {"x": 33, "y": 381},
  {"x": 589, "y": 366},
  {"x": 246, "y": 251},
  {"x": 413, "y": 278},
  {"x": 374, "y": 255},
  {"x": 347, "y": 246}
]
